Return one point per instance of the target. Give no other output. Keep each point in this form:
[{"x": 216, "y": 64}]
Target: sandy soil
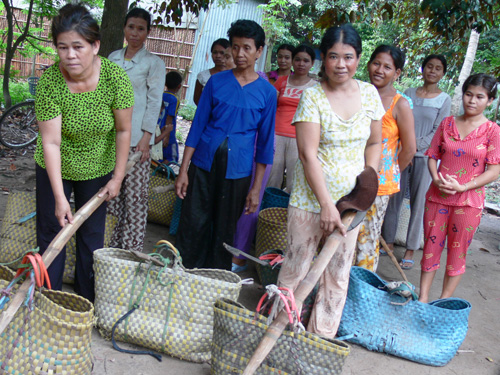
[{"x": 479, "y": 354}]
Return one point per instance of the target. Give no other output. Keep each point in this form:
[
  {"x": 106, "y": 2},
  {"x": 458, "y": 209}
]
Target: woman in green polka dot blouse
[{"x": 84, "y": 111}]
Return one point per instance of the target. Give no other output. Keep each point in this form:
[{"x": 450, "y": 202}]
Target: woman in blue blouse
[{"x": 236, "y": 112}]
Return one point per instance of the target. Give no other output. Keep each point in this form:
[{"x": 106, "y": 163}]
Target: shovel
[
  {"x": 358, "y": 200},
  {"x": 56, "y": 246}
]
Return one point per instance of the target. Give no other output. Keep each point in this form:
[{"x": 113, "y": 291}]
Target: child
[
  {"x": 167, "y": 119},
  {"x": 469, "y": 149}
]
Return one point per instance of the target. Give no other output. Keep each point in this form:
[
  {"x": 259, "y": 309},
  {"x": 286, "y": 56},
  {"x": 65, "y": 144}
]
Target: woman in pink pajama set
[{"x": 469, "y": 149}]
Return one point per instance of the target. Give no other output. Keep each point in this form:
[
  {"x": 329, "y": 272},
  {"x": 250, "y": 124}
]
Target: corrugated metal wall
[{"x": 217, "y": 23}]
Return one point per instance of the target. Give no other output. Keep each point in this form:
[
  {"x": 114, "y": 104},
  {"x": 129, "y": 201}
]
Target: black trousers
[
  {"x": 89, "y": 237},
  {"x": 210, "y": 211}
]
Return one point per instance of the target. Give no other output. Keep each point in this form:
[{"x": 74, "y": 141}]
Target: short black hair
[
  {"x": 487, "y": 82},
  {"x": 247, "y": 29},
  {"x": 345, "y": 34},
  {"x": 438, "y": 57},
  {"x": 75, "y": 17},
  {"x": 398, "y": 56},
  {"x": 304, "y": 48},
  {"x": 173, "y": 80},
  {"x": 224, "y": 43},
  {"x": 139, "y": 13}
]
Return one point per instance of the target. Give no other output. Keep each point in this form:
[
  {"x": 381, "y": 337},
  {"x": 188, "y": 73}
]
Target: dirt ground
[{"x": 479, "y": 353}]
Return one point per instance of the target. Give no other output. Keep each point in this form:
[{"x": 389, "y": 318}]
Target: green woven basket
[
  {"x": 18, "y": 237},
  {"x": 271, "y": 232},
  {"x": 160, "y": 205},
  {"x": 53, "y": 338},
  {"x": 238, "y": 331},
  {"x": 175, "y": 309},
  {"x": 269, "y": 274}
]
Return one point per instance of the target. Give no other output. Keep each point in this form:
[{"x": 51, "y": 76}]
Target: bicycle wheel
[{"x": 18, "y": 125}]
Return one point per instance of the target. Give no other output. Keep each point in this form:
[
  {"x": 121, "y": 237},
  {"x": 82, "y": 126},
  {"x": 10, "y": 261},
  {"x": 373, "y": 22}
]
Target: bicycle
[{"x": 18, "y": 125}]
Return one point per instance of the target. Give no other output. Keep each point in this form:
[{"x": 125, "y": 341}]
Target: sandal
[
  {"x": 407, "y": 264},
  {"x": 237, "y": 268}
]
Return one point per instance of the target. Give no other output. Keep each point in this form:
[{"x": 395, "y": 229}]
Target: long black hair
[{"x": 398, "y": 56}]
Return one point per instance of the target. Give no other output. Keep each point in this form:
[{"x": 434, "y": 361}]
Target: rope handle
[
  {"x": 33, "y": 260},
  {"x": 166, "y": 245},
  {"x": 287, "y": 298},
  {"x": 166, "y": 168}
]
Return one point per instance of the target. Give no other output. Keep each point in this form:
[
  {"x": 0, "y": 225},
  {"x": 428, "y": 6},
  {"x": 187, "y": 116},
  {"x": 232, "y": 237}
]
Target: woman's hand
[
  {"x": 450, "y": 185},
  {"x": 330, "y": 220},
  {"x": 143, "y": 146},
  {"x": 252, "y": 202},
  {"x": 112, "y": 188},
  {"x": 181, "y": 184},
  {"x": 63, "y": 212}
]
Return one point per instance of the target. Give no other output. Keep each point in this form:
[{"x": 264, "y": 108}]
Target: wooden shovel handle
[
  {"x": 56, "y": 246},
  {"x": 393, "y": 258},
  {"x": 305, "y": 287}
]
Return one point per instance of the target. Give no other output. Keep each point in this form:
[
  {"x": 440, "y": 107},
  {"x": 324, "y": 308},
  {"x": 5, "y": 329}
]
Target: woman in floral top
[
  {"x": 338, "y": 134},
  {"x": 469, "y": 149}
]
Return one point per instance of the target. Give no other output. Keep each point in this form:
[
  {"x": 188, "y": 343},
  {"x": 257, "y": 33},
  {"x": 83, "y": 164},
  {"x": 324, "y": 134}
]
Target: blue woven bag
[
  {"x": 426, "y": 333},
  {"x": 274, "y": 197}
]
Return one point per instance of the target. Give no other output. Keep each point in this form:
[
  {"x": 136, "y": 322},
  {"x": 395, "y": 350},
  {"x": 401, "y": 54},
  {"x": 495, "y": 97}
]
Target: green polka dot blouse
[{"x": 88, "y": 132}]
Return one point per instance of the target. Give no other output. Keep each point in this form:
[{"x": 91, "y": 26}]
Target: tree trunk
[
  {"x": 8, "y": 54},
  {"x": 269, "y": 56},
  {"x": 11, "y": 47},
  {"x": 113, "y": 18},
  {"x": 465, "y": 71}
]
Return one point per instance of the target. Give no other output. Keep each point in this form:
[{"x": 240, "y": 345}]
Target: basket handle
[{"x": 166, "y": 245}]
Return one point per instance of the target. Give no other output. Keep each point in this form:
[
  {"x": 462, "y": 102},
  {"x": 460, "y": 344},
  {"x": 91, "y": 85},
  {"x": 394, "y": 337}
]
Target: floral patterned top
[
  {"x": 466, "y": 159},
  {"x": 341, "y": 146},
  {"x": 389, "y": 175}
]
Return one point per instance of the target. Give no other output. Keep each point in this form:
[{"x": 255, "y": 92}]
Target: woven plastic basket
[
  {"x": 271, "y": 231},
  {"x": 53, "y": 338},
  {"x": 18, "y": 233},
  {"x": 404, "y": 221},
  {"x": 238, "y": 331},
  {"x": 175, "y": 313},
  {"x": 426, "y": 333},
  {"x": 160, "y": 205},
  {"x": 32, "y": 82},
  {"x": 269, "y": 274},
  {"x": 274, "y": 197},
  {"x": 176, "y": 217}
]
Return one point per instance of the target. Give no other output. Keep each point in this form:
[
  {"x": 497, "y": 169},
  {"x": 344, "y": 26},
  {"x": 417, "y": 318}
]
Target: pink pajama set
[{"x": 457, "y": 216}]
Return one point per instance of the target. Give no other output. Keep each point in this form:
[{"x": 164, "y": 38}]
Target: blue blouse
[{"x": 244, "y": 115}]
